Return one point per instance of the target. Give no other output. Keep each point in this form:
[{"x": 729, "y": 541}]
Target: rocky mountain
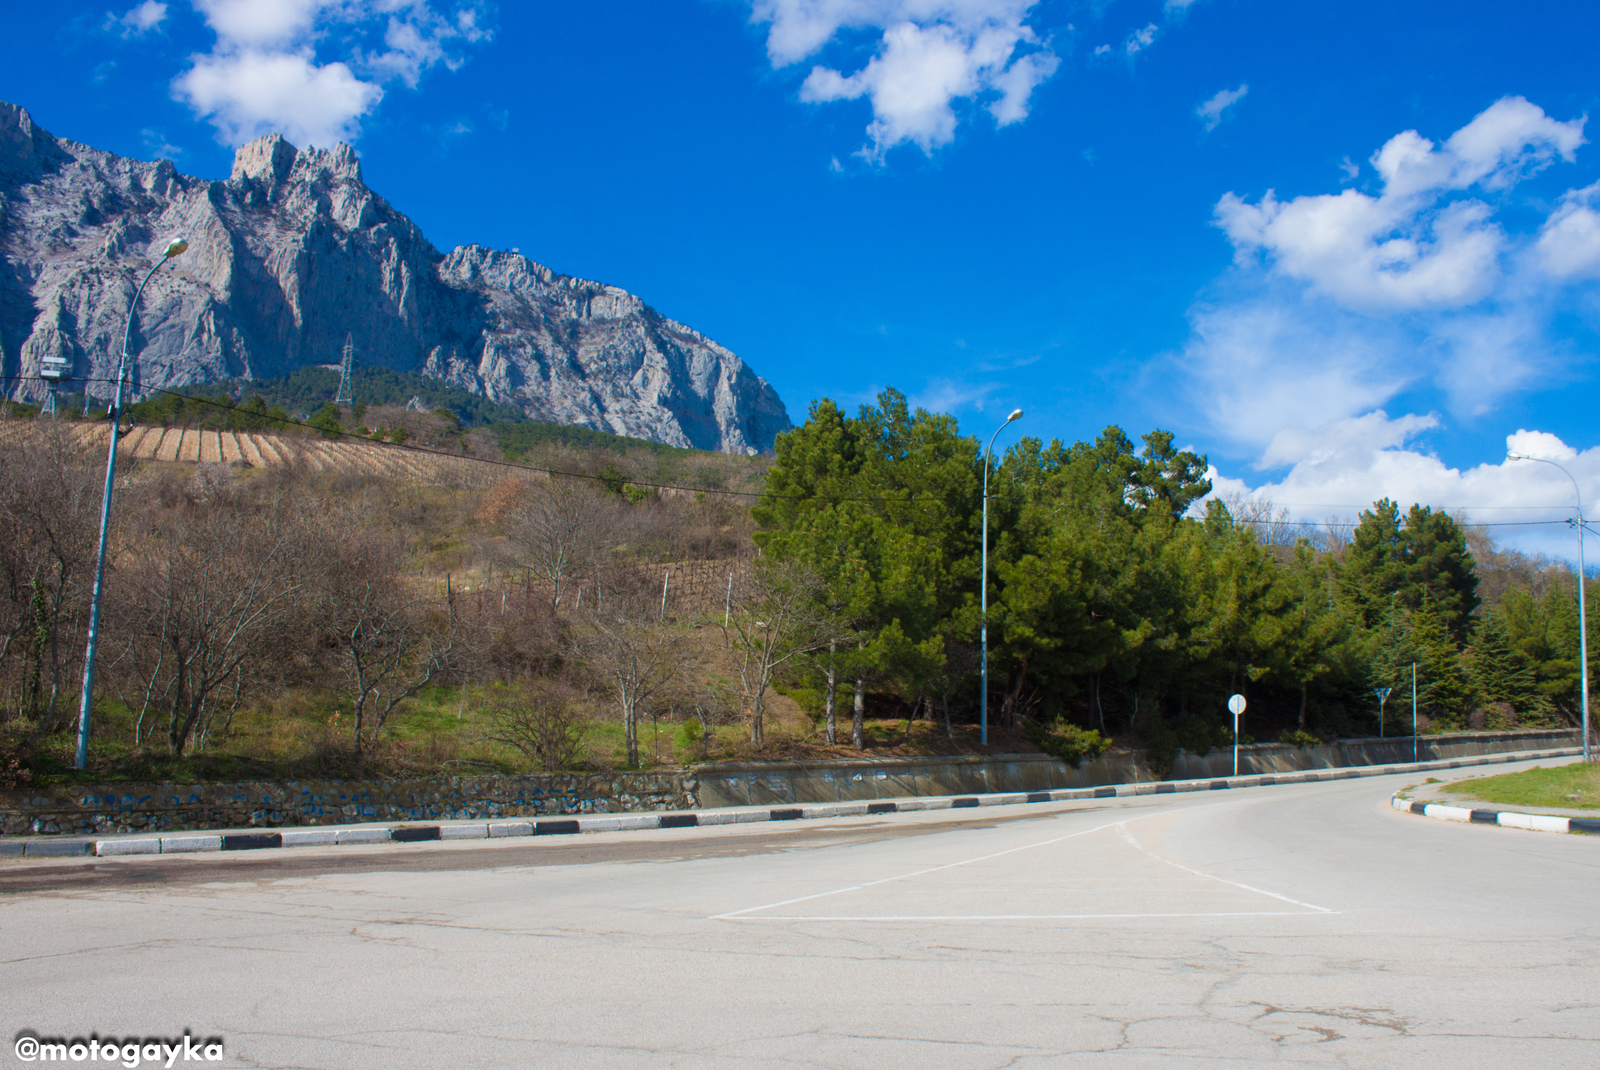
[{"x": 292, "y": 253}]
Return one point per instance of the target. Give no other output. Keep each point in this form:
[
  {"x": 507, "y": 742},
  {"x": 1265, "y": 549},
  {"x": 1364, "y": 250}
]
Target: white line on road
[
  {"x": 1122, "y": 830},
  {"x": 1024, "y": 917},
  {"x": 953, "y": 865}
]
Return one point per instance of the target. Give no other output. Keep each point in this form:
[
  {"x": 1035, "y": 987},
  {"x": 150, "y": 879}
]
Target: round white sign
[{"x": 1236, "y": 705}]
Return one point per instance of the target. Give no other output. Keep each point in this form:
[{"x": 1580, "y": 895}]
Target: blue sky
[{"x": 1345, "y": 250}]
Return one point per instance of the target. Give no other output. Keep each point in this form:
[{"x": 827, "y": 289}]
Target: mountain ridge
[{"x": 291, "y": 253}]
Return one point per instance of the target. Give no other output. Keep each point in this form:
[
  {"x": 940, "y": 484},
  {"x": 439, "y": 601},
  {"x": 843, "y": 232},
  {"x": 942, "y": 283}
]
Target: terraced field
[{"x": 267, "y": 451}]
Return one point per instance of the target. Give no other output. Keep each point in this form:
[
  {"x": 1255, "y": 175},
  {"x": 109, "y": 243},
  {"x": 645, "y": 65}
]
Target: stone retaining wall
[
  {"x": 105, "y": 808},
  {"x": 108, "y": 808}
]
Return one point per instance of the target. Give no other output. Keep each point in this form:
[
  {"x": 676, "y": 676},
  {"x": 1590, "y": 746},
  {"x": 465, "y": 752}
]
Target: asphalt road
[{"x": 1298, "y": 924}]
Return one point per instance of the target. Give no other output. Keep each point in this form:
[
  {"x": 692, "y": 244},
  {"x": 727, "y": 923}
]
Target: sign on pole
[{"x": 1236, "y": 707}]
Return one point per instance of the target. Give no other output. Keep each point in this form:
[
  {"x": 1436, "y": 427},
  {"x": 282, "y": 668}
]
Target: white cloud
[
  {"x": 1569, "y": 243},
  {"x": 263, "y": 75},
  {"x": 1212, "y": 111},
  {"x": 249, "y": 93},
  {"x": 929, "y": 55},
  {"x": 1139, "y": 40},
  {"x": 1356, "y": 468},
  {"x": 1343, "y": 308},
  {"x": 157, "y": 145},
  {"x": 138, "y": 20},
  {"x": 1409, "y": 247}
]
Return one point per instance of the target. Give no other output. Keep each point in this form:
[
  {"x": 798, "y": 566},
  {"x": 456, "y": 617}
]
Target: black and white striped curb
[
  {"x": 1505, "y": 818},
  {"x": 258, "y": 839}
]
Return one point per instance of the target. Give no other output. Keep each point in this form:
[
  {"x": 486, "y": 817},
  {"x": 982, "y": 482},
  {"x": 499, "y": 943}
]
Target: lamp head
[
  {"x": 176, "y": 248},
  {"x": 1515, "y": 457},
  {"x": 1016, "y": 414}
]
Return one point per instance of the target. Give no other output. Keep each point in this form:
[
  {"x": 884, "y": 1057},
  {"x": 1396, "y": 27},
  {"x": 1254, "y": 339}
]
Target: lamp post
[
  {"x": 983, "y": 593},
  {"x": 1583, "y": 624},
  {"x": 115, "y": 415}
]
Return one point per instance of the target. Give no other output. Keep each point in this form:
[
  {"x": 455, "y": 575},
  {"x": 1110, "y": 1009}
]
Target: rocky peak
[
  {"x": 24, "y": 147},
  {"x": 267, "y": 159}
]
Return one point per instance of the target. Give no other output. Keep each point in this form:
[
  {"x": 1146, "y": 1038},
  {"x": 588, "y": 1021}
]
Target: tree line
[{"x": 1120, "y": 605}]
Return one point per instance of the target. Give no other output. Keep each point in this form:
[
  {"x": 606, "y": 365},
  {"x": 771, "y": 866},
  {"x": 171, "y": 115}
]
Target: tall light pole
[
  {"x": 983, "y": 593},
  {"x": 115, "y": 415},
  {"x": 1583, "y": 623}
]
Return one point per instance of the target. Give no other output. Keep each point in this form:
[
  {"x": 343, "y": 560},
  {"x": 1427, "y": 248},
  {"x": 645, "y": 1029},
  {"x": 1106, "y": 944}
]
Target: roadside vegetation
[
  {"x": 1567, "y": 787},
  {"x": 612, "y": 604}
]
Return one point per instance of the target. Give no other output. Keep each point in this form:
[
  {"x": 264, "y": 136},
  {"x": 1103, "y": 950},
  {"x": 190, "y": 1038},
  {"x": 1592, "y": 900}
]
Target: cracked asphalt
[{"x": 1289, "y": 925}]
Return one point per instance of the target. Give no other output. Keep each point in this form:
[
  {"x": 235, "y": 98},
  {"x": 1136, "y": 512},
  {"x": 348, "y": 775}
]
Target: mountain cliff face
[{"x": 293, "y": 252}]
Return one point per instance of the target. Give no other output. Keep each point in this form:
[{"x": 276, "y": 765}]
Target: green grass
[
  {"x": 442, "y": 731},
  {"x": 1575, "y": 786}
]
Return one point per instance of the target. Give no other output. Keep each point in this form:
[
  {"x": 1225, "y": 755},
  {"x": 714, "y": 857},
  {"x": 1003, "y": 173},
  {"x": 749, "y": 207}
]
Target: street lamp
[
  {"x": 1583, "y": 624},
  {"x": 173, "y": 249},
  {"x": 983, "y": 593}
]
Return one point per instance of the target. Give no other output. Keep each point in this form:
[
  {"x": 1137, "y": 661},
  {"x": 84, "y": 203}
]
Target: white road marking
[
  {"x": 1127, "y": 837},
  {"x": 947, "y": 865},
  {"x": 1021, "y": 917}
]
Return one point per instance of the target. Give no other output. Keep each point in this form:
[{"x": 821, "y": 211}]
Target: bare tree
[
  {"x": 638, "y": 657},
  {"x": 48, "y": 503},
  {"x": 557, "y": 531},
  {"x": 774, "y": 618},
  {"x": 391, "y": 641},
  {"x": 209, "y": 598}
]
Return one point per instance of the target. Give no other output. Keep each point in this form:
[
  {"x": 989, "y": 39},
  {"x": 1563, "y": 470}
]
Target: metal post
[
  {"x": 115, "y": 417},
  {"x": 1583, "y": 632},
  {"x": 727, "y": 606},
  {"x": 1413, "y": 711},
  {"x": 1583, "y": 619},
  {"x": 666, "y": 578},
  {"x": 983, "y": 595}
]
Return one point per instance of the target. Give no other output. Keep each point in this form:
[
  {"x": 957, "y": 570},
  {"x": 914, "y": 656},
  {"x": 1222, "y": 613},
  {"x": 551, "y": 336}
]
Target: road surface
[{"x": 1289, "y": 925}]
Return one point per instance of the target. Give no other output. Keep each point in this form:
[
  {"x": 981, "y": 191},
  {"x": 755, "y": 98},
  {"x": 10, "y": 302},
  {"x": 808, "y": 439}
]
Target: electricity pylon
[{"x": 345, "y": 398}]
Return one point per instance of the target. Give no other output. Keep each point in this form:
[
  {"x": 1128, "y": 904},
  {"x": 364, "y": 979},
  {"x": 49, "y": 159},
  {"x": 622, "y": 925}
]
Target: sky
[{"x": 1345, "y": 251}]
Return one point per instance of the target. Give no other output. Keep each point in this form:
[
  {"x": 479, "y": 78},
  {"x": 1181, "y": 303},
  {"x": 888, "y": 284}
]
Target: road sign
[{"x": 1236, "y": 705}]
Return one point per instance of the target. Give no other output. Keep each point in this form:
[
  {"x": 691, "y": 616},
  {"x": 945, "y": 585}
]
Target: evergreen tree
[
  {"x": 1439, "y": 570},
  {"x": 1444, "y": 689},
  {"x": 1501, "y": 672}
]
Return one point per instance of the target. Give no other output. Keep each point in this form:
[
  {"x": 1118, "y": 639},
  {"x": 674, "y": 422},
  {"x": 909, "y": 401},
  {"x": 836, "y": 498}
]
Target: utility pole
[{"x": 1583, "y": 622}]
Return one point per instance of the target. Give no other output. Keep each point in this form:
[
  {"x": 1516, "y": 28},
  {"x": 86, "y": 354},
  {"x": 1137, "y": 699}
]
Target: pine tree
[
  {"x": 1501, "y": 672},
  {"x": 1444, "y": 691}
]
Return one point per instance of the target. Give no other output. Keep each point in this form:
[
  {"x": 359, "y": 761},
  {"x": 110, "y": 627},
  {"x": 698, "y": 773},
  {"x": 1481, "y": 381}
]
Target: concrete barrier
[{"x": 778, "y": 783}]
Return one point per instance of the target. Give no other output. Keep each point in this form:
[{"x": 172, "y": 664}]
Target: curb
[
  {"x": 1503, "y": 818},
  {"x": 255, "y": 840}
]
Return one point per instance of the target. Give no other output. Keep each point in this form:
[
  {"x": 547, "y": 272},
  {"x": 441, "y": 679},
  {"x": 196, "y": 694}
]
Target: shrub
[
  {"x": 1067, "y": 741},
  {"x": 1298, "y": 737},
  {"x": 540, "y": 718}
]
